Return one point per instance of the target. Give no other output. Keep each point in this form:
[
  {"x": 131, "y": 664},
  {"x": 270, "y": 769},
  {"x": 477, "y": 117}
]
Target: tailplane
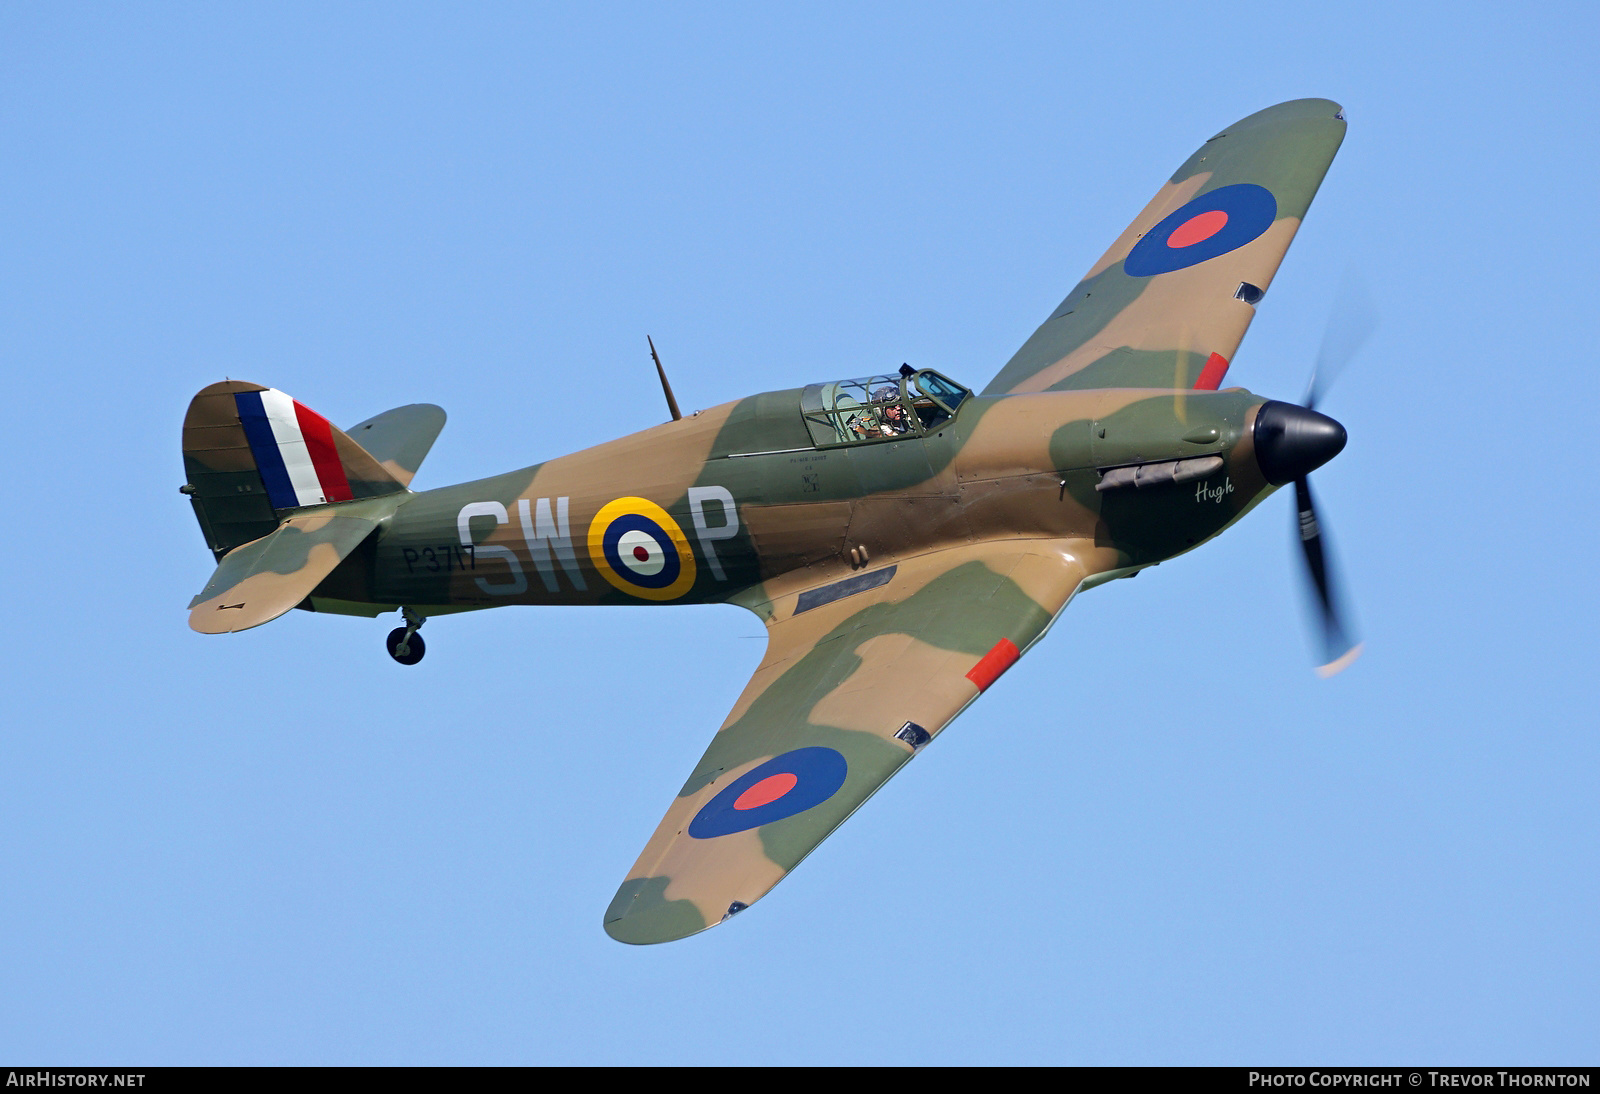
[
  {"x": 399, "y": 439},
  {"x": 256, "y": 583}
]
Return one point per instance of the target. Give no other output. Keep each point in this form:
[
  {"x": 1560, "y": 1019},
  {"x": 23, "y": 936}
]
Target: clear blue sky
[{"x": 1158, "y": 839}]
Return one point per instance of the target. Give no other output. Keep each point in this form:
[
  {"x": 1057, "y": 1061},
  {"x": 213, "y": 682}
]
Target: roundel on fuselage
[{"x": 640, "y": 549}]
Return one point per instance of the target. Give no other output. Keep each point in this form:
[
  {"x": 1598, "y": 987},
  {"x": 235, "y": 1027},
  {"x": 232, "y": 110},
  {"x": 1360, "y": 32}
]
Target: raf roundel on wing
[
  {"x": 781, "y": 787},
  {"x": 1212, "y": 224}
]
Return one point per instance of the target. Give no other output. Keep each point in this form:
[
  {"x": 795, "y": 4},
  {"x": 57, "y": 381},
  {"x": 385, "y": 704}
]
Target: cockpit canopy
[{"x": 879, "y": 408}]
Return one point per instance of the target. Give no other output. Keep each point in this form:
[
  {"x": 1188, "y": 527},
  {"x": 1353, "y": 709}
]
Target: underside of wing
[
  {"x": 1168, "y": 304},
  {"x": 858, "y": 676}
]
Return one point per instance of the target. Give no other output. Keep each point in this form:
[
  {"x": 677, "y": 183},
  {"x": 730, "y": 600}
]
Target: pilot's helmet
[{"x": 886, "y": 393}]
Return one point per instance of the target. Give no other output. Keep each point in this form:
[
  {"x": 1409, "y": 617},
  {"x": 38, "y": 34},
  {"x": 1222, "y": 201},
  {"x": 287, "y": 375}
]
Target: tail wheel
[{"x": 404, "y": 648}]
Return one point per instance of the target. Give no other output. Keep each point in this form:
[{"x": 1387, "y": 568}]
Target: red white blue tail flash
[{"x": 294, "y": 450}]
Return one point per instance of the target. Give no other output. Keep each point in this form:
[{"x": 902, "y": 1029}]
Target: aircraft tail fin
[{"x": 254, "y": 455}]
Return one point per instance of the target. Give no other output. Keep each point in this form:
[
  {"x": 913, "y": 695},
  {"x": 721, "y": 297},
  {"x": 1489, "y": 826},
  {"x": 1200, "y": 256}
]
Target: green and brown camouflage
[
  {"x": 903, "y": 539},
  {"x": 1120, "y": 330}
]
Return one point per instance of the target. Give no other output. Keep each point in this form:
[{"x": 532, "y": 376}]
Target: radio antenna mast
[{"x": 666, "y": 388}]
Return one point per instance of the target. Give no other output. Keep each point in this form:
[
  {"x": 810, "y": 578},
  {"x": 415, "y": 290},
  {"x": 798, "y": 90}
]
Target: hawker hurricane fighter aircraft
[{"x": 904, "y": 539}]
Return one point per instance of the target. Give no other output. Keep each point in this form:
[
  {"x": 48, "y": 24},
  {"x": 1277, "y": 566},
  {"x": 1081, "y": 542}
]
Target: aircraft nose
[{"x": 1292, "y": 442}]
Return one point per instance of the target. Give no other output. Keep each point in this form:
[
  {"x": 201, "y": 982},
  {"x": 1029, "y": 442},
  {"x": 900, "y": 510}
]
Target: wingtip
[
  {"x": 1295, "y": 110},
  {"x": 641, "y": 915}
]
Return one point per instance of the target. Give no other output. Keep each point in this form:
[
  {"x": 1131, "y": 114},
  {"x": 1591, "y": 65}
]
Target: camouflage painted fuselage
[{"x": 749, "y": 499}]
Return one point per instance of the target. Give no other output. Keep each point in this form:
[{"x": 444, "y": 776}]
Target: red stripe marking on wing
[
  {"x": 1211, "y": 376},
  {"x": 324, "y": 456},
  {"x": 993, "y": 663}
]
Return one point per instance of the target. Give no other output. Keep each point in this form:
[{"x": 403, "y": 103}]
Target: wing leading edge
[
  {"x": 1168, "y": 304},
  {"x": 858, "y": 676}
]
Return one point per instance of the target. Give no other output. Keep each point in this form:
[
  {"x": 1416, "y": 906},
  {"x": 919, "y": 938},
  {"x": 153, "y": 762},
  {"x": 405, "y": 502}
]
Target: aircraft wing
[
  {"x": 858, "y": 676},
  {"x": 1168, "y": 304}
]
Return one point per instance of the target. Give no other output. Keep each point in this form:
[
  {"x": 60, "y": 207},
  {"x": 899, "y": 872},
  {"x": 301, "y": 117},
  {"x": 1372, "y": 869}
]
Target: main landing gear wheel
[{"x": 405, "y": 644}]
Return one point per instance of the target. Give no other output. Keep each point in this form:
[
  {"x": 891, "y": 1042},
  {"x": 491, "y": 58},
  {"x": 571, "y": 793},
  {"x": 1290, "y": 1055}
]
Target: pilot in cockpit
[{"x": 891, "y": 414}]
